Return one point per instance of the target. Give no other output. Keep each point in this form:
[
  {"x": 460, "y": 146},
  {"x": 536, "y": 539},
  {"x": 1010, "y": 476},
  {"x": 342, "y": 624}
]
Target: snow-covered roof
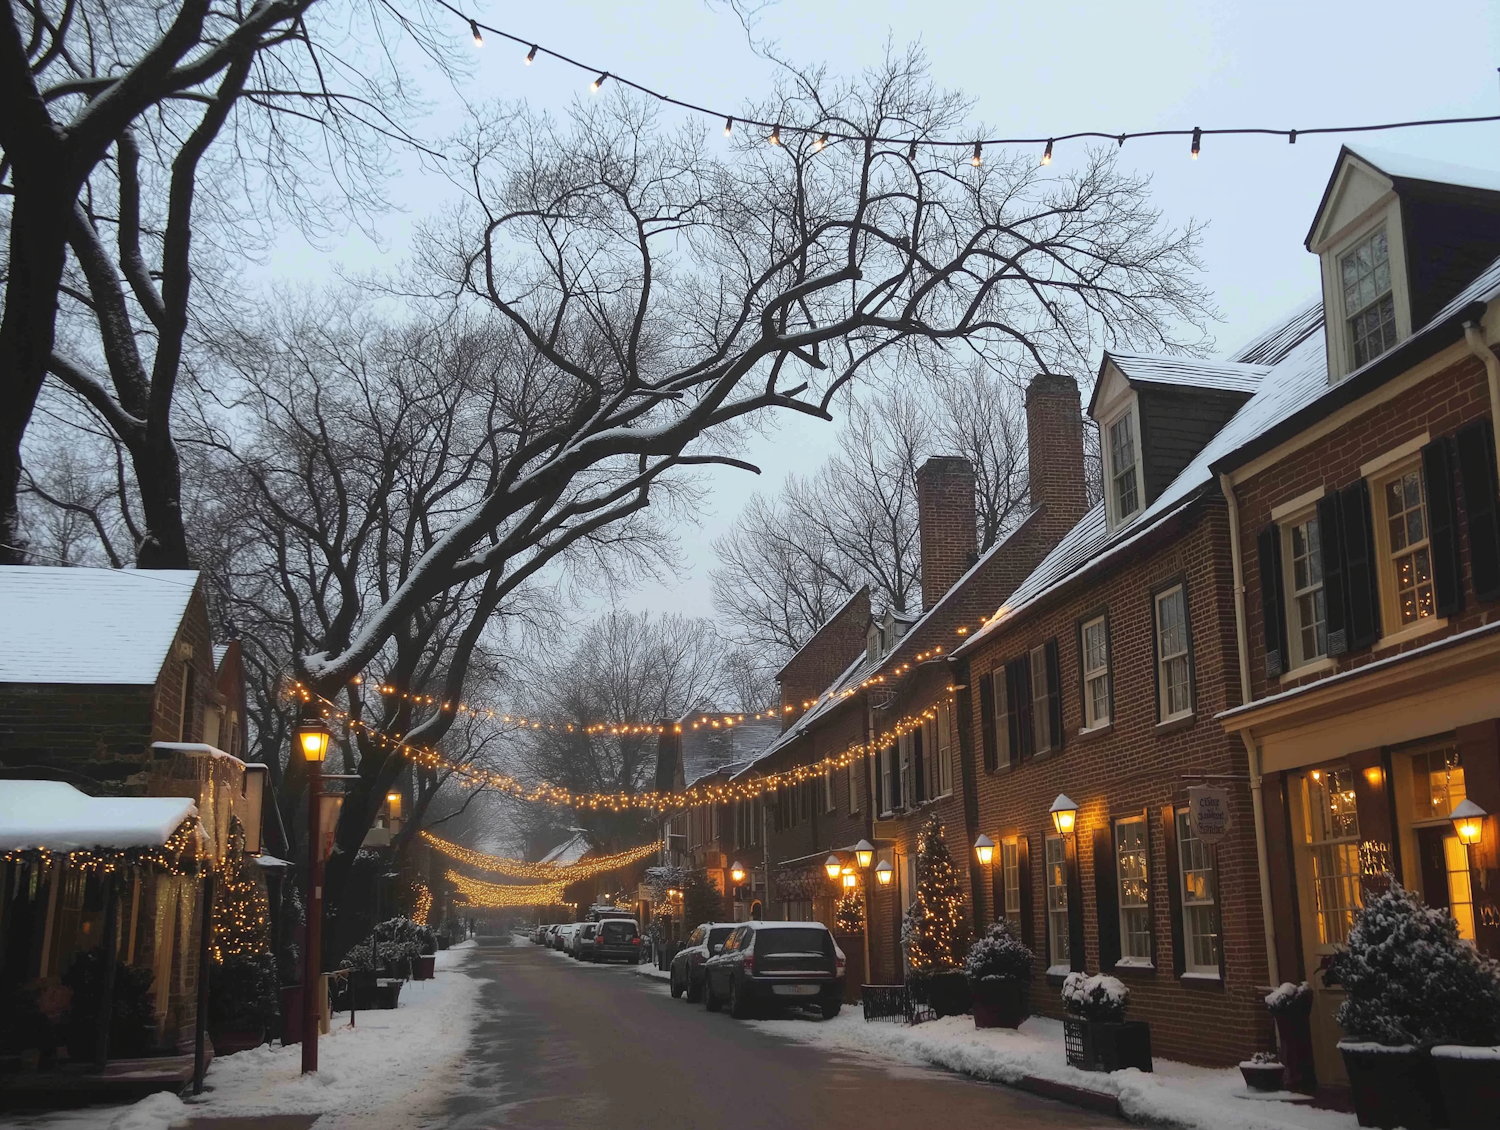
[
  {"x": 95, "y": 626},
  {"x": 1270, "y": 347},
  {"x": 1191, "y": 372},
  {"x": 708, "y": 750},
  {"x": 220, "y": 651},
  {"x": 1404, "y": 166},
  {"x": 569, "y": 851},
  {"x": 56, "y": 816},
  {"x": 198, "y": 749},
  {"x": 832, "y": 696}
]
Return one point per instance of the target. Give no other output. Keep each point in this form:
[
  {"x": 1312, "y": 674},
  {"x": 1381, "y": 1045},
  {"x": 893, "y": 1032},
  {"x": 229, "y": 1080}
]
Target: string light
[
  {"x": 728, "y": 126},
  {"x": 775, "y": 138},
  {"x": 820, "y": 144},
  {"x": 553, "y": 872},
  {"x": 978, "y": 158},
  {"x": 598, "y": 82},
  {"x": 424, "y": 905},
  {"x": 494, "y": 895},
  {"x": 1197, "y": 141},
  {"x": 1047, "y": 156},
  {"x": 478, "y": 39},
  {"x": 531, "y": 55},
  {"x": 182, "y": 854}
]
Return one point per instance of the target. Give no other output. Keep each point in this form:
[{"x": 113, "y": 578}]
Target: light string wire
[
  {"x": 825, "y": 136},
  {"x": 493, "y": 895},
  {"x": 553, "y": 872}
]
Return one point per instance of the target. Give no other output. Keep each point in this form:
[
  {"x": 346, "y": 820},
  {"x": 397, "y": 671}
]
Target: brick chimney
[
  {"x": 947, "y": 523},
  {"x": 1054, "y": 449}
]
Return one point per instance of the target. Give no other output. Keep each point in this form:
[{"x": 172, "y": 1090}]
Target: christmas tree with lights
[
  {"x": 935, "y": 933},
  {"x": 242, "y": 913}
]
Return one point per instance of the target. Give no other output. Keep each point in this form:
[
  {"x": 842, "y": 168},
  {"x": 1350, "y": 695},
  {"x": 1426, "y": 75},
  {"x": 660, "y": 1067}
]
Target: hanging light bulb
[
  {"x": 728, "y": 126},
  {"x": 820, "y": 144},
  {"x": 775, "y": 135},
  {"x": 1197, "y": 141},
  {"x": 1047, "y": 156},
  {"x": 978, "y": 158},
  {"x": 911, "y": 152},
  {"x": 531, "y": 55},
  {"x": 478, "y": 39},
  {"x": 598, "y": 82}
]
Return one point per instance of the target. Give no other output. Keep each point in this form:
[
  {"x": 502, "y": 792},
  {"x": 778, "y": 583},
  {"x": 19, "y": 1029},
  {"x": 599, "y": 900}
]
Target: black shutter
[
  {"x": 987, "y": 721},
  {"x": 1359, "y": 558},
  {"x": 1106, "y": 898},
  {"x": 1076, "y": 954},
  {"x": 897, "y": 798},
  {"x": 1476, "y": 465},
  {"x": 1335, "y": 597},
  {"x": 1442, "y": 521},
  {"x": 1013, "y": 711},
  {"x": 1272, "y": 600},
  {"x": 1005, "y": 747},
  {"x": 1023, "y": 708},
  {"x": 1023, "y": 876},
  {"x": 1054, "y": 697},
  {"x": 918, "y": 767},
  {"x": 1174, "y": 887}
]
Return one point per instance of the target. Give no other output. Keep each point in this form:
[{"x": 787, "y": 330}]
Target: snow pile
[
  {"x": 1287, "y": 998},
  {"x": 154, "y": 1112},
  {"x": 1177, "y": 1094}
]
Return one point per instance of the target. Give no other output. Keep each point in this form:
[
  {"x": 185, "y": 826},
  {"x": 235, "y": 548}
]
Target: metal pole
[
  {"x": 313, "y": 959},
  {"x": 205, "y": 936}
]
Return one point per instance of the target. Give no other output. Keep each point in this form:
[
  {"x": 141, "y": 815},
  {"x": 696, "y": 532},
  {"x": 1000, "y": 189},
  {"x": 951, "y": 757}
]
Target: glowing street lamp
[
  {"x": 883, "y": 872},
  {"x": 737, "y": 872},
  {"x": 311, "y": 736},
  {"x": 1064, "y": 814},
  {"x": 851, "y": 880},
  {"x": 984, "y": 849},
  {"x": 1468, "y": 822},
  {"x": 833, "y": 865},
  {"x": 864, "y": 853},
  {"x": 312, "y": 739}
]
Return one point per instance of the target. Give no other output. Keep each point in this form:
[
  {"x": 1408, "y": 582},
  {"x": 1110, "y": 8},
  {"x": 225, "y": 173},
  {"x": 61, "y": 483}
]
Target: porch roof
[{"x": 58, "y": 817}]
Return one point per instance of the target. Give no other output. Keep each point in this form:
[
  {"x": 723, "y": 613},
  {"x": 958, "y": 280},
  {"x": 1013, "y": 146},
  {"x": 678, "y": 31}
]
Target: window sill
[
  {"x": 1315, "y": 667},
  {"x": 1412, "y": 632},
  {"x": 1201, "y": 981},
  {"x": 1136, "y": 968},
  {"x": 1098, "y": 731},
  {"x": 1173, "y": 725}
]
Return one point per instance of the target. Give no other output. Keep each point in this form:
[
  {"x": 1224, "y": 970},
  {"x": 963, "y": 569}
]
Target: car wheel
[
  {"x": 829, "y": 1007},
  {"x": 739, "y": 1001},
  {"x": 676, "y": 986},
  {"x": 710, "y": 1001},
  {"x": 694, "y": 989}
]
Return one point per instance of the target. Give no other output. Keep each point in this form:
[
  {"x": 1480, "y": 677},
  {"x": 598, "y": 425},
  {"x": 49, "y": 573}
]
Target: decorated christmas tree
[
  {"x": 242, "y": 914},
  {"x": 935, "y": 933}
]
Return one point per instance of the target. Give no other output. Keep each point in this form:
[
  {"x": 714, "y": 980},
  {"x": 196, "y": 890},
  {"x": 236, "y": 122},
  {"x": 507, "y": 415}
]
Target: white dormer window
[
  {"x": 872, "y": 643},
  {"x": 1122, "y": 458},
  {"x": 1369, "y": 302}
]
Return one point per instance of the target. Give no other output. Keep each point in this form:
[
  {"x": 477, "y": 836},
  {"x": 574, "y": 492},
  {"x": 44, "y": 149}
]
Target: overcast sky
[{"x": 1032, "y": 69}]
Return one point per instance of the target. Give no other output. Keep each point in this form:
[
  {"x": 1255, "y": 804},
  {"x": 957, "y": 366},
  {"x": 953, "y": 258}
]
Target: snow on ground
[
  {"x": 375, "y": 1074},
  {"x": 1176, "y": 1094}
]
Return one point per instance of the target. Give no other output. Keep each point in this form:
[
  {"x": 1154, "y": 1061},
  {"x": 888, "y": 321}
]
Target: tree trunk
[{"x": 158, "y": 476}]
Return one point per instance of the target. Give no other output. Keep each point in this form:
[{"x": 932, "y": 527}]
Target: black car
[
  {"x": 776, "y": 963},
  {"x": 611, "y": 939},
  {"x": 687, "y": 963}
]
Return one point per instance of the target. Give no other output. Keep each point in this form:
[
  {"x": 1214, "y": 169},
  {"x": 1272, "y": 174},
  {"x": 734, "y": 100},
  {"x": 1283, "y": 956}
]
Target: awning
[{"x": 58, "y": 817}]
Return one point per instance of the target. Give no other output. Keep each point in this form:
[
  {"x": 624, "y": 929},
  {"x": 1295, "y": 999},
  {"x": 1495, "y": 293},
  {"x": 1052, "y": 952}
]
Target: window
[
  {"x": 1095, "y": 673},
  {"x": 1124, "y": 490},
  {"x": 1041, "y": 710},
  {"x": 1305, "y": 579},
  {"x": 1200, "y": 900},
  {"x": 1174, "y": 681},
  {"x": 1135, "y": 903},
  {"x": 903, "y": 770},
  {"x": 1332, "y": 836},
  {"x": 1409, "y": 554},
  {"x": 1003, "y": 707},
  {"x": 1058, "y": 954},
  {"x": 828, "y": 801},
  {"x": 943, "y": 750},
  {"x": 1010, "y": 877},
  {"x": 1369, "y": 304},
  {"x": 1460, "y": 886},
  {"x": 1438, "y": 781}
]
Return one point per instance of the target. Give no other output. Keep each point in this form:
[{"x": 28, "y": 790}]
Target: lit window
[
  {"x": 1057, "y": 902},
  {"x": 1438, "y": 781},
  {"x": 1095, "y": 673},
  {"x": 1010, "y": 870},
  {"x": 1200, "y": 902},
  {"x": 1460, "y": 887},
  {"x": 1333, "y": 841},
  {"x": 1173, "y": 679},
  {"x": 1041, "y": 712},
  {"x": 1369, "y": 305},
  {"x": 1135, "y": 905},
  {"x": 1309, "y": 607},
  {"x": 1411, "y": 556},
  {"x": 1122, "y": 459}
]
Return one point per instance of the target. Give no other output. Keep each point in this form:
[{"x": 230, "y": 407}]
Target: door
[{"x": 1445, "y": 875}]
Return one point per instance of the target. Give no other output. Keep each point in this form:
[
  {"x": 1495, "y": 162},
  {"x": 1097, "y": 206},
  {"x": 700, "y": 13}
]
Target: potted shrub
[
  {"x": 1412, "y": 984},
  {"x": 361, "y": 980},
  {"x": 1096, "y": 1034},
  {"x": 1262, "y": 1072},
  {"x": 1291, "y": 1008},
  {"x": 426, "y": 963},
  {"x": 998, "y": 969},
  {"x": 243, "y": 1001},
  {"x": 1469, "y": 1081}
]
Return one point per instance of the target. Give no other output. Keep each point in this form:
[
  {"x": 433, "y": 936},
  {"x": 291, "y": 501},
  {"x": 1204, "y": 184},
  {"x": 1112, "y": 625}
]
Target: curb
[{"x": 1096, "y": 1101}]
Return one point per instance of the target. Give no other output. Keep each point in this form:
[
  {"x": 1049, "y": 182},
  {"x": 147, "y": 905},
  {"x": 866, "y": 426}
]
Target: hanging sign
[{"x": 1208, "y": 812}]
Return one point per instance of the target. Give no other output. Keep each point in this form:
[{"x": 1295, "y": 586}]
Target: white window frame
[
  {"x": 1191, "y": 850},
  {"x": 944, "y": 750},
  {"x": 1092, "y": 676},
  {"x": 1010, "y": 881},
  {"x": 1331, "y": 247},
  {"x": 1390, "y": 596},
  {"x": 1134, "y": 913},
  {"x": 1059, "y": 948},
  {"x": 1185, "y": 656},
  {"x": 1041, "y": 711},
  {"x": 1348, "y": 314},
  {"x": 885, "y": 760},
  {"x": 1106, "y": 448},
  {"x": 1294, "y": 595},
  {"x": 903, "y": 768}
]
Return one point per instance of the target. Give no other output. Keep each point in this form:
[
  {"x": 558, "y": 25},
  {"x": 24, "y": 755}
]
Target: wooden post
[
  {"x": 111, "y": 955},
  {"x": 205, "y": 937}
]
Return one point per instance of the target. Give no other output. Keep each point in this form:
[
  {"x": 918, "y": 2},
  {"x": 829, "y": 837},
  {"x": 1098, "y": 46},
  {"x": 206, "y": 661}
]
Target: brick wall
[
  {"x": 1054, "y": 448},
  {"x": 823, "y": 658},
  {"x": 946, "y": 522}
]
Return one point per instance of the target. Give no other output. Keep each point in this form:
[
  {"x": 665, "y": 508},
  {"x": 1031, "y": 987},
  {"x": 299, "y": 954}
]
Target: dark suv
[
  {"x": 776, "y": 963},
  {"x": 687, "y": 963},
  {"x": 612, "y": 939}
]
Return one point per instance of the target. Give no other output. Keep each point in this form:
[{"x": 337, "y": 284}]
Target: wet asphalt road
[{"x": 561, "y": 1044}]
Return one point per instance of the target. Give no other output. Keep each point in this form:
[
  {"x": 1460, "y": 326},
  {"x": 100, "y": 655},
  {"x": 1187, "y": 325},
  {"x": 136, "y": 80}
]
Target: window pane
[
  {"x": 1135, "y": 909},
  {"x": 1438, "y": 780},
  {"x": 1200, "y": 910},
  {"x": 1307, "y": 585},
  {"x": 1369, "y": 306},
  {"x": 1041, "y": 716},
  {"x": 1057, "y": 901},
  {"x": 1460, "y": 888},
  {"x": 1333, "y": 835},
  {"x": 1010, "y": 865},
  {"x": 1122, "y": 460},
  {"x": 1411, "y": 561}
]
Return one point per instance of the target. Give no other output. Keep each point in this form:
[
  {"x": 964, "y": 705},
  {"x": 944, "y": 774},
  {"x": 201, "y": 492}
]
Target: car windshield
[
  {"x": 618, "y": 931},
  {"x": 716, "y": 937},
  {"x": 771, "y": 942}
]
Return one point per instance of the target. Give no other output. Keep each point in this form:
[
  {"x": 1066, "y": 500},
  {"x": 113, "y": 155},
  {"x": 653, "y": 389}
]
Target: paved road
[{"x": 567, "y": 1045}]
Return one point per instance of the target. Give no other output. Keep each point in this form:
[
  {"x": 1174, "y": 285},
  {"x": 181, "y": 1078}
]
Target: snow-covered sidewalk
[
  {"x": 1175, "y": 1094},
  {"x": 376, "y": 1074}
]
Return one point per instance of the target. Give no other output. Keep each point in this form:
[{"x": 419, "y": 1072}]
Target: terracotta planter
[
  {"x": 1294, "y": 1036},
  {"x": 1393, "y": 1086},
  {"x": 1262, "y": 1076},
  {"x": 227, "y": 1041},
  {"x": 1469, "y": 1079},
  {"x": 1000, "y": 1004},
  {"x": 291, "y": 1014},
  {"x": 424, "y": 968},
  {"x": 1106, "y": 1045}
]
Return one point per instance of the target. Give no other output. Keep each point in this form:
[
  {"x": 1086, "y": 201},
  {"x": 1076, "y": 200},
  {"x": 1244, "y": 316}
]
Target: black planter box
[
  {"x": 1393, "y": 1086},
  {"x": 1107, "y": 1045},
  {"x": 947, "y": 994},
  {"x": 1469, "y": 1080}
]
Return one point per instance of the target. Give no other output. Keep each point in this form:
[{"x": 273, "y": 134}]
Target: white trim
[
  {"x": 1425, "y": 626},
  {"x": 1059, "y": 970},
  {"x": 1135, "y": 963},
  {"x": 1312, "y": 667},
  {"x": 1128, "y": 407},
  {"x": 1384, "y": 213},
  {"x": 1297, "y": 505},
  {"x": 1212, "y": 978},
  {"x": 1394, "y": 455}
]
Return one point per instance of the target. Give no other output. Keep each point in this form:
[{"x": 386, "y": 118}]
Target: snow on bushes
[
  {"x": 999, "y": 955},
  {"x": 1410, "y": 979},
  {"x": 1100, "y": 997},
  {"x": 1287, "y": 998}
]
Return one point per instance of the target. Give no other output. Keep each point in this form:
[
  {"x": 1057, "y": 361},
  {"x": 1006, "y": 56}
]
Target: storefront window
[
  {"x": 1460, "y": 891},
  {"x": 1437, "y": 783},
  {"x": 1333, "y": 841}
]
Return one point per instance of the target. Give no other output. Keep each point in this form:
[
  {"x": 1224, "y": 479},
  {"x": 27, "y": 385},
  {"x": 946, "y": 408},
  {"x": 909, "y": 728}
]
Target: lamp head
[
  {"x": 312, "y": 739},
  {"x": 833, "y": 865},
  {"x": 851, "y": 880},
  {"x": 984, "y": 850},
  {"x": 883, "y": 872},
  {"x": 864, "y": 853},
  {"x": 1468, "y": 821},
  {"x": 737, "y": 872},
  {"x": 1064, "y": 814}
]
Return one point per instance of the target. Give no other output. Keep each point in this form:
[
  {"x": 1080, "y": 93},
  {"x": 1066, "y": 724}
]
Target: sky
[{"x": 1031, "y": 69}]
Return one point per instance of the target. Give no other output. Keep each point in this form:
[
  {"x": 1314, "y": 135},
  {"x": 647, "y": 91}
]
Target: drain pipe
[
  {"x": 1474, "y": 336},
  {"x": 1268, "y": 923}
]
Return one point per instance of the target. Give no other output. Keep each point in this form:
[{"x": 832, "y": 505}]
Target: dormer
[
  {"x": 1396, "y": 237},
  {"x": 1155, "y": 414},
  {"x": 873, "y": 650}
]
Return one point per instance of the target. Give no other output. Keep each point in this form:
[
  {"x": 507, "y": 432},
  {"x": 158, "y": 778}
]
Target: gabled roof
[
  {"x": 56, "y": 816},
  {"x": 707, "y": 751},
  {"x": 569, "y": 851},
  {"x": 1403, "y": 171},
  {"x": 89, "y": 626},
  {"x": 833, "y": 696},
  {"x": 863, "y": 592},
  {"x": 1189, "y": 372},
  {"x": 1272, "y": 346}
]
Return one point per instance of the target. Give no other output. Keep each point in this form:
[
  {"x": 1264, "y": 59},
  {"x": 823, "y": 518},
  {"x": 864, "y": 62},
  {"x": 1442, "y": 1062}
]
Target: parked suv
[
  {"x": 583, "y": 934},
  {"x": 612, "y": 939},
  {"x": 687, "y": 964},
  {"x": 776, "y": 963}
]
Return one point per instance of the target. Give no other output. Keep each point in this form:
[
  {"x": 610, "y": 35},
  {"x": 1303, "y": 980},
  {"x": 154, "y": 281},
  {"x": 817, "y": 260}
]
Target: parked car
[
  {"x": 687, "y": 964},
  {"x": 550, "y": 941},
  {"x": 767, "y": 963},
  {"x": 564, "y": 936},
  {"x": 539, "y": 935},
  {"x": 581, "y": 944},
  {"x": 612, "y": 939}
]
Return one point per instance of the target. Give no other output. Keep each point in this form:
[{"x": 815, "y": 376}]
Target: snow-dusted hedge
[
  {"x": 1100, "y": 997},
  {"x": 1288, "y": 999}
]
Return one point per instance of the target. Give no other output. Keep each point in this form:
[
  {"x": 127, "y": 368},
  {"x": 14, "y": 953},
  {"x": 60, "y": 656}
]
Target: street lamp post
[
  {"x": 864, "y": 855},
  {"x": 312, "y": 738}
]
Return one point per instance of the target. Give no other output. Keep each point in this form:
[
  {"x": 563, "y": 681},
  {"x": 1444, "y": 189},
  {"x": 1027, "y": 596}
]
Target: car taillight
[
  {"x": 749, "y": 961},
  {"x": 635, "y": 941},
  {"x": 838, "y": 963},
  {"x": 599, "y": 941}
]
